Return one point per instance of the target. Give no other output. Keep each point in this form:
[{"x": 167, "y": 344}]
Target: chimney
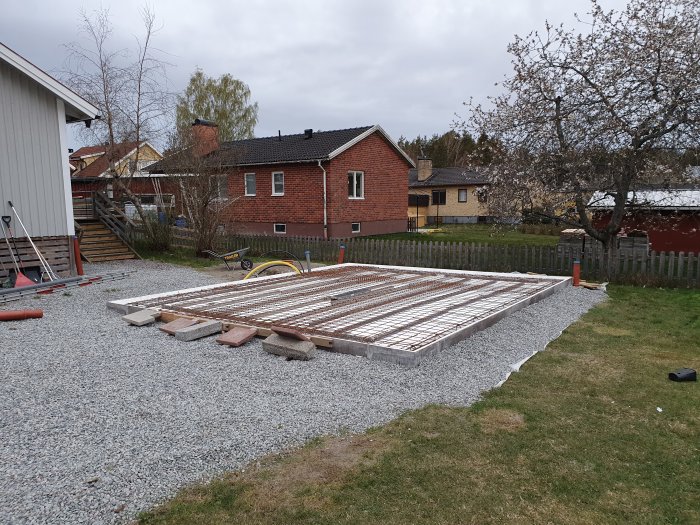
[
  {"x": 425, "y": 168},
  {"x": 309, "y": 133},
  {"x": 206, "y": 137}
]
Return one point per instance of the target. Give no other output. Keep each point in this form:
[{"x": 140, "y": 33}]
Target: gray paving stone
[
  {"x": 287, "y": 347},
  {"x": 199, "y": 330},
  {"x": 142, "y": 317}
]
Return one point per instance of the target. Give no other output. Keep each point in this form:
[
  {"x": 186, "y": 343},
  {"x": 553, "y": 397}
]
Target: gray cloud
[{"x": 407, "y": 65}]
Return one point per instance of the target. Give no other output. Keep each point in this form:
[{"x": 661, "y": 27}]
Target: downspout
[{"x": 325, "y": 203}]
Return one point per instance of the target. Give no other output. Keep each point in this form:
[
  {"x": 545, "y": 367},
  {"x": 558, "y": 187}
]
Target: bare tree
[
  {"x": 203, "y": 184},
  {"x": 129, "y": 86},
  {"x": 606, "y": 109}
]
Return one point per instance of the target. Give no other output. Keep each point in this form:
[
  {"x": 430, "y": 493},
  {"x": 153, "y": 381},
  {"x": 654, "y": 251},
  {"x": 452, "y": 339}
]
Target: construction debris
[
  {"x": 289, "y": 332},
  {"x": 590, "y": 286},
  {"x": 59, "y": 285},
  {"x": 198, "y": 330},
  {"x": 142, "y": 317},
  {"x": 287, "y": 347},
  {"x": 178, "y": 324},
  {"x": 237, "y": 336}
]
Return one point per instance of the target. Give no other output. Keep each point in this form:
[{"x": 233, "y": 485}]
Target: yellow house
[{"x": 446, "y": 195}]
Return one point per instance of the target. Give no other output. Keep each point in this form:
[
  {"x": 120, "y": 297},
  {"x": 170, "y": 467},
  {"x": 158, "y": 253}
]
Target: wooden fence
[{"x": 626, "y": 266}]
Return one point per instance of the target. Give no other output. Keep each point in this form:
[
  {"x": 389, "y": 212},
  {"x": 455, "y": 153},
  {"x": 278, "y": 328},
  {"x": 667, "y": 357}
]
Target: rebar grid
[{"x": 394, "y": 308}]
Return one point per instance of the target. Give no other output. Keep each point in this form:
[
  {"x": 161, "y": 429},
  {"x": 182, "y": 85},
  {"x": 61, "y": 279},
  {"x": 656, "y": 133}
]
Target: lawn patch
[{"x": 589, "y": 431}]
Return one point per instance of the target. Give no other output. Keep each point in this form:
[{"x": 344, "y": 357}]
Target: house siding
[
  {"x": 452, "y": 209},
  {"x": 668, "y": 231},
  {"x": 31, "y": 146}
]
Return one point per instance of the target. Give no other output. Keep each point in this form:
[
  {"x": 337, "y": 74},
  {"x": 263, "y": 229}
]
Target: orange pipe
[
  {"x": 341, "y": 254},
  {"x": 18, "y": 315},
  {"x": 577, "y": 273},
  {"x": 78, "y": 261}
]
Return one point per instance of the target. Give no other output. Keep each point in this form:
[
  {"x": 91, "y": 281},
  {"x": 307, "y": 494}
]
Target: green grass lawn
[
  {"x": 173, "y": 255},
  {"x": 479, "y": 233},
  {"x": 574, "y": 438}
]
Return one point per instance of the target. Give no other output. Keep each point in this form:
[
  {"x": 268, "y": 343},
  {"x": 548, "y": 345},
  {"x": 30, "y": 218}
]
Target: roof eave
[{"x": 78, "y": 108}]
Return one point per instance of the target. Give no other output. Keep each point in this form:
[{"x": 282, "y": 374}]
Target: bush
[{"x": 159, "y": 236}]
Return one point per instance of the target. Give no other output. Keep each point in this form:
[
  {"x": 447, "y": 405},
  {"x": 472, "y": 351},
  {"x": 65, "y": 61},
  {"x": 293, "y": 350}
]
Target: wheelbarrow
[{"x": 232, "y": 257}]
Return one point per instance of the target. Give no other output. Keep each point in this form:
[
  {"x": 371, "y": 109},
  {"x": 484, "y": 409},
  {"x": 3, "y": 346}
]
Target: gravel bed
[{"x": 100, "y": 420}]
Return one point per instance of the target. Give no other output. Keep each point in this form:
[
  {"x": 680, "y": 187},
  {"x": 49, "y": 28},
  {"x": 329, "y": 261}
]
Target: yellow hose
[{"x": 263, "y": 266}]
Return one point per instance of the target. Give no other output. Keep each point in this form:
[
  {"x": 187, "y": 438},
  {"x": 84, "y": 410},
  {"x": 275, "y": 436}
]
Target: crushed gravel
[{"x": 100, "y": 420}]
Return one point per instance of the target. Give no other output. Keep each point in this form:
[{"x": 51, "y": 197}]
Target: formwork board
[{"x": 390, "y": 313}]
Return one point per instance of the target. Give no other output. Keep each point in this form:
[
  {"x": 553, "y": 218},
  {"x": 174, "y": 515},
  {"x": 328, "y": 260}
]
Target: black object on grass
[{"x": 683, "y": 374}]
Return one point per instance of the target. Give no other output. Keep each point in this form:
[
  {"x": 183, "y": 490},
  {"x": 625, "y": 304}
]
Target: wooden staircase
[{"x": 98, "y": 243}]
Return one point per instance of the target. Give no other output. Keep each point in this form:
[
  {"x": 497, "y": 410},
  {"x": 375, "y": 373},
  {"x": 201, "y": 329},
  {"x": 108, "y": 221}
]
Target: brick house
[
  {"x": 446, "y": 195},
  {"x": 330, "y": 184}
]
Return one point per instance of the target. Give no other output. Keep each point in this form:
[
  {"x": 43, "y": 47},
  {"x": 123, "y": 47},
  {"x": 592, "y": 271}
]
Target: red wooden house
[{"x": 670, "y": 217}]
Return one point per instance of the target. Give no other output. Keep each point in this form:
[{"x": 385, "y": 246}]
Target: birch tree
[
  {"x": 225, "y": 100},
  {"x": 128, "y": 85}
]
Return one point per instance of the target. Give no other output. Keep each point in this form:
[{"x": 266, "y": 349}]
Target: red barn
[
  {"x": 324, "y": 184},
  {"x": 670, "y": 217}
]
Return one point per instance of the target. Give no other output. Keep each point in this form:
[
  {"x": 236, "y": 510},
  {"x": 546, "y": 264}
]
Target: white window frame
[
  {"x": 284, "y": 227},
  {"x": 274, "y": 193},
  {"x": 352, "y": 227},
  {"x": 466, "y": 195},
  {"x": 245, "y": 184},
  {"x": 354, "y": 174}
]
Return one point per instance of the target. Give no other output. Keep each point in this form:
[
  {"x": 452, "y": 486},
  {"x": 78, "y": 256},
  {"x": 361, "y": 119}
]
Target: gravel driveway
[{"x": 100, "y": 420}]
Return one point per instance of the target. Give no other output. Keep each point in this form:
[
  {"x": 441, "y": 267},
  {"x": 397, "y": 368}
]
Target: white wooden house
[{"x": 34, "y": 169}]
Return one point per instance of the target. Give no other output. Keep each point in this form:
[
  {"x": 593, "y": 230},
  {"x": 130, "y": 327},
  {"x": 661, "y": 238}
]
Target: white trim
[
  {"x": 274, "y": 228},
  {"x": 363, "y": 136},
  {"x": 63, "y": 92},
  {"x": 273, "y": 183},
  {"x": 359, "y": 227},
  {"x": 245, "y": 184},
  {"x": 65, "y": 166}
]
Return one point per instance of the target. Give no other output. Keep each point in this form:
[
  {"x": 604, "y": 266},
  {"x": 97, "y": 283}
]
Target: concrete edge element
[
  {"x": 414, "y": 358},
  {"x": 198, "y": 330},
  {"x": 127, "y": 305}
]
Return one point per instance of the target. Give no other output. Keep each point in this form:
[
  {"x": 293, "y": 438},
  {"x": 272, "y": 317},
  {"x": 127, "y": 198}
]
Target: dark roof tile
[{"x": 446, "y": 177}]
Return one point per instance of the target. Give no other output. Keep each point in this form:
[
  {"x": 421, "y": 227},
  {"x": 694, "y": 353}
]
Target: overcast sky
[{"x": 407, "y": 65}]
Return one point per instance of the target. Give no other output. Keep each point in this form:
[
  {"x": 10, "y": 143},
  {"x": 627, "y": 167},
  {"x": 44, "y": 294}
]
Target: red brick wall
[
  {"x": 386, "y": 186},
  {"x": 383, "y": 210},
  {"x": 302, "y": 201}
]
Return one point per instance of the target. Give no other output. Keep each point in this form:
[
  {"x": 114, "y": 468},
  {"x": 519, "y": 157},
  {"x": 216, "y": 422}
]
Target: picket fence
[{"x": 625, "y": 266}]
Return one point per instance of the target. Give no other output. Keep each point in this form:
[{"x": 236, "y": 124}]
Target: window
[
  {"x": 356, "y": 185},
  {"x": 355, "y": 227},
  {"x": 249, "y": 180},
  {"x": 281, "y": 228},
  {"x": 439, "y": 197},
  {"x": 461, "y": 195},
  {"x": 278, "y": 183},
  {"x": 482, "y": 195}
]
